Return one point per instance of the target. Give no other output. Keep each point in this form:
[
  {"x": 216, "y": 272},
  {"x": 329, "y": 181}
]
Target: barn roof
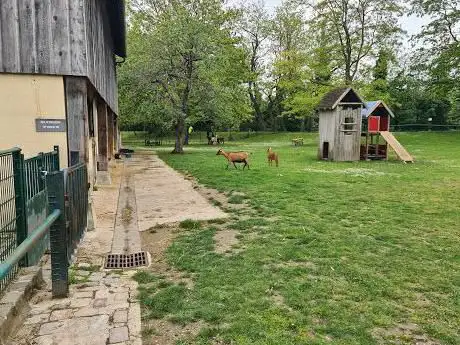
[
  {"x": 334, "y": 97},
  {"x": 371, "y": 106},
  {"x": 116, "y": 11}
]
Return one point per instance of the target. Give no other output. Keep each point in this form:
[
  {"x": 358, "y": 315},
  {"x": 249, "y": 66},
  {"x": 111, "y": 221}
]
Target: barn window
[{"x": 349, "y": 125}]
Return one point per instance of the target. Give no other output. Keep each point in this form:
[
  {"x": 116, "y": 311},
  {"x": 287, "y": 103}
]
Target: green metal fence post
[
  {"x": 58, "y": 235},
  {"x": 41, "y": 168},
  {"x": 20, "y": 202},
  {"x": 56, "y": 159}
]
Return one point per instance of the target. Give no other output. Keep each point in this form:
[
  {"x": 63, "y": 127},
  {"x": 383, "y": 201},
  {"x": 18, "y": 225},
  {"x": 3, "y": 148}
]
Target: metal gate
[
  {"x": 23, "y": 203},
  {"x": 76, "y": 195},
  {"x": 35, "y": 169},
  {"x": 10, "y": 218}
]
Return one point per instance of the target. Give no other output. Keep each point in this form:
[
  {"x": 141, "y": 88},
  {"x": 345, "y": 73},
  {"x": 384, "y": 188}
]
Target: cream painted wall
[{"x": 23, "y": 98}]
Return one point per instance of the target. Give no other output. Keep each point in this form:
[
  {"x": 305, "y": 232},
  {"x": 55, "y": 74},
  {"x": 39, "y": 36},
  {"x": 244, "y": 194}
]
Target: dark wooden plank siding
[
  {"x": 77, "y": 114},
  {"x": 101, "y": 61},
  {"x": 9, "y": 26},
  {"x": 43, "y": 36},
  {"x": 61, "y": 37},
  {"x": 78, "y": 54},
  {"x": 26, "y": 10}
]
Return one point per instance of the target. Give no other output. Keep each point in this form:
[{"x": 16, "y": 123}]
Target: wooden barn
[
  {"x": 351, "y": 129},
  {"x": 340, "y": 125},
  {"x": 58, "y": 78}
]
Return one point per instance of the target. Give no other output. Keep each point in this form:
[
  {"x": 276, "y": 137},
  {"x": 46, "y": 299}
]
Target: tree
[
  {"x": 358, "y": 28},
  {"x": 288, "y": 43},
  {"x": 253, "y": 25},
  {"x": 187, "y": 62},
  {"x": 379, "y": 87},
  {"x": 439, "y": 52},
  {"x": 303, "y": 64},
  {"x": 438, "y": 56}
]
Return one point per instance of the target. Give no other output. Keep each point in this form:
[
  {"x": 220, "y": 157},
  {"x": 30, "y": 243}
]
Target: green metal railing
[
  {"x": 35, "y": 169},
  {"x": 23, "y": 204},
  {"x": 76, "y": 185},
  {"x": 40, "y": 205},
  {"x": 10, "y": 218},
  {"x": 7, "y": 265}
]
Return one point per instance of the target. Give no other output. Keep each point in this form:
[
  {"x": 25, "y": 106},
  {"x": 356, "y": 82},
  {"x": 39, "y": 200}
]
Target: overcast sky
[{"x": 410, "y": 24}]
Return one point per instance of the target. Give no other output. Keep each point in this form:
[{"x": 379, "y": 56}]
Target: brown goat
[
  {"x": 235, "y": 157},
  {"x": 272, "y": 156}
]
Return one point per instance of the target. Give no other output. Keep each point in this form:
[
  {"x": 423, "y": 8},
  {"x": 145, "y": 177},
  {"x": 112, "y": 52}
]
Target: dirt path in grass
[{"x": 164, "y": 198}]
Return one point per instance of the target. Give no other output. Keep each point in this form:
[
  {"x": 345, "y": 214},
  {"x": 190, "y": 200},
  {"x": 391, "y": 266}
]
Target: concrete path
[
  {"x": 165, "y": 196},
  {"x": 126, "y": 238},
  {"x": 102, "y": 308}
]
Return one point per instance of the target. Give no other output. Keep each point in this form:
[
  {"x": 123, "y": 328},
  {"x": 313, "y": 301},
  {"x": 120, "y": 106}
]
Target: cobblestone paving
[{"x": 102, "y": 310}]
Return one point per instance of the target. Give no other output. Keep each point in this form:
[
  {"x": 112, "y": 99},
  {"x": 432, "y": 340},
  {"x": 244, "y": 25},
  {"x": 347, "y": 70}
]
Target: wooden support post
[
  {"x": 102, "y": 161},
  {"x": 367, "y": 146},
  {"x": 377, "y": 146},
  {"x": 115, "y": 133},
  {"x": 110, "y": 133},
  {"x": 77, "y": 117}
]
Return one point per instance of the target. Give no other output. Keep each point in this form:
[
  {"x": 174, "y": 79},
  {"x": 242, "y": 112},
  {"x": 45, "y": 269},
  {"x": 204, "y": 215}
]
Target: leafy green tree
[
  {"x": 185, "y": 67},
  {"x": 254, "y": 28},
  {"x": 358, "y": 29},
  {"x": 303, "y": 64},
  {"x": 439, "y": 52},
  {"x": 379, "y": 87},
  {"x": 428, "y": 86},
  {"x": 288, "y": 42}
]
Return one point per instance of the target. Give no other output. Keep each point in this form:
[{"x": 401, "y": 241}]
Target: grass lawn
[{"x": 332, "y": 253}]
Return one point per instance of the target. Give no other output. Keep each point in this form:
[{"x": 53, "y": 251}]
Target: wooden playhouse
[{"x": 351, "y": 129}]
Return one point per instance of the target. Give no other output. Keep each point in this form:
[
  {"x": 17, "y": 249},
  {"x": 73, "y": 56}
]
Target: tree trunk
[
  {"x": 179, "y": 145},
  {"x": 186, "y": 138},
  {"x": 255, "y": 101},
  {"x": 348, "y": 77},
  {"x": 302, "y": 124}
]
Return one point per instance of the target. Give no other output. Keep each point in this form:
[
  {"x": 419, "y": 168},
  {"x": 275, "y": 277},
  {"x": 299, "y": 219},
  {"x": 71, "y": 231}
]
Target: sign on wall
[{"x": 50, "y": 125}]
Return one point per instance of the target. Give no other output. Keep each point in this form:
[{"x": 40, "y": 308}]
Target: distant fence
[
  {"x": 30, "y": 190},
  {"x": 200, "y": 138},
  {"x": 424, "y": 128},
  {"x": 196, "y": 138}
]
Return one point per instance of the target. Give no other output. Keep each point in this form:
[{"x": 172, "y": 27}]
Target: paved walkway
[
  {"x": 126, "y": 238},
  {"x": 164, "y": 196},
  {"x": 102, "y": 308}
]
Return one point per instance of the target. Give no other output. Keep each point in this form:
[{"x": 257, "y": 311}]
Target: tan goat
[
  {"x": 272, "y": 156},
  {"x": 235, "y": 157}
]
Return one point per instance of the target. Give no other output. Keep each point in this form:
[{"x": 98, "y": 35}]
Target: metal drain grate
[{"x": 126, "y": 260}]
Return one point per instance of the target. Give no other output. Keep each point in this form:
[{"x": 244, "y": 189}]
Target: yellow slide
[{"x": 397, "y": 147}]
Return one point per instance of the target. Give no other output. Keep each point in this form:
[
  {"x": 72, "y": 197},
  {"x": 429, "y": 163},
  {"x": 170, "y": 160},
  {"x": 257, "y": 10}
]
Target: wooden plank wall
[
  {"x": 347, "y": 147},
  {"x": 60, "y": 37},
  {"x": 101, "y": 61},
  {"x": 77, "y": 116},
  {"x": 327, "y": 130},
  {"x": 103, "y": 143}
]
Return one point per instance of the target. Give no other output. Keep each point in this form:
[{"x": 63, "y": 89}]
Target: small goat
[
  {"x": 235, "y": 157},
  {"x": 272, "y": 156}
]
